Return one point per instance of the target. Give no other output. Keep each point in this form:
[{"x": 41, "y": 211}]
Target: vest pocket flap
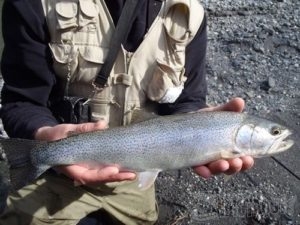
[
  {"x": 62, "y": 53},
  {"x": 66, "y": 9},
  {"x": 88, "y": 8},
  {"x": 177, "y": 22},
  {"x": 93, "y": 54}
]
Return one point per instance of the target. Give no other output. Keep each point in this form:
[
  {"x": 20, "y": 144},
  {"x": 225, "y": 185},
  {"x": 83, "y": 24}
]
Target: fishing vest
[{"x": 81, "y": 32}]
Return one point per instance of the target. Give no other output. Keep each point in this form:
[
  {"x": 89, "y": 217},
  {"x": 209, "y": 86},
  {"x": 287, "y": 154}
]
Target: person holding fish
[{"x": 54, "y": 49}]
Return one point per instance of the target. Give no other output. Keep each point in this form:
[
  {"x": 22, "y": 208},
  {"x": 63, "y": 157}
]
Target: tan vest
[{"x": 81, "y": 32}]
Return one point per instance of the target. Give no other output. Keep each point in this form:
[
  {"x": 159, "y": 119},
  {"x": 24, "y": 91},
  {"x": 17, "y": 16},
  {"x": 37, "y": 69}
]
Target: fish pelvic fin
[
  {"x": 18, "y": 153},
  {"x": 147, "y": 178}
]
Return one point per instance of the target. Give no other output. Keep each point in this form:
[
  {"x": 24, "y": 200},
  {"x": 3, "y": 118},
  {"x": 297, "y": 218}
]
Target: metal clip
[{"x": 98, "y": 87}]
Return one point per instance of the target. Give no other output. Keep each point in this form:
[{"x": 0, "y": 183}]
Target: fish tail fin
[{"x": 18, "y": 154}]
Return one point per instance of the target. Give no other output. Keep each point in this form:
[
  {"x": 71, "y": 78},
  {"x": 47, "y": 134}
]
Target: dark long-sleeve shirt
[{"x": 30, "y": 80}]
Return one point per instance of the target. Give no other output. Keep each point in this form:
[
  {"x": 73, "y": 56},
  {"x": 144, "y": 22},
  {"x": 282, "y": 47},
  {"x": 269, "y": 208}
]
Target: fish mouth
[{"x": 282, "y": 144}]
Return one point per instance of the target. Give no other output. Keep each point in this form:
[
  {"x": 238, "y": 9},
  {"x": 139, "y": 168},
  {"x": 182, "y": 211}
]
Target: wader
[{"x": 81, "y": 32}]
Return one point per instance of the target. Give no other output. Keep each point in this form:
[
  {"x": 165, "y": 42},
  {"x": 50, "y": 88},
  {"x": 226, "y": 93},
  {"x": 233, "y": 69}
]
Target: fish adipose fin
[
  {"x": 147, "y": 178},
  {"x": 19, "y": 160}
]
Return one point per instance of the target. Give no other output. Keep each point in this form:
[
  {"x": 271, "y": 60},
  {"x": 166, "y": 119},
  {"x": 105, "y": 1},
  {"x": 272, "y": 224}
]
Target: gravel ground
[{"x": 253, "y": 53}]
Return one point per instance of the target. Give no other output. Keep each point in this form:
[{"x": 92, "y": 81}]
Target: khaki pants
[{"x": 54, "y": 199}]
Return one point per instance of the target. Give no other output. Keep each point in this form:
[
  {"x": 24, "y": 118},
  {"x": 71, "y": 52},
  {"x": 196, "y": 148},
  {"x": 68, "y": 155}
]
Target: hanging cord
[
  {"x": 69, "y": 61},
  {"x": 286, "y": 168}
]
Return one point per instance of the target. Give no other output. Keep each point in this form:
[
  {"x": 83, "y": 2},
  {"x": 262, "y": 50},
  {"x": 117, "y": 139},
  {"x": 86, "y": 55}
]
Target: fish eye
[{"x": 275, "y": 131}]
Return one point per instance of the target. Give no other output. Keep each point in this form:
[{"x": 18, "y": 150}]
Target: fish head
[{"x": 260, "y": 137}]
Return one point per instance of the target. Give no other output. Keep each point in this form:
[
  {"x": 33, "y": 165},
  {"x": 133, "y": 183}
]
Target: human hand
[
  {"x": 82, "y": 174},
  {"x": 230, "y": 166}
]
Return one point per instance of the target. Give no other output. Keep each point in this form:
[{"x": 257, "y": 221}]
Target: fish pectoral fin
[
  {"x": 230, "y": 154},
  {"x": 226, "y": 155},
  {"x": 147, "y": 178}
]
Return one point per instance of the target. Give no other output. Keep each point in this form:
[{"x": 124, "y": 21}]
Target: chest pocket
[
  {"x": 66, "y": 13},
  {"x": 169, "y": 77},
  {"x": 75, "y": 14},
  {"x": 77, "y": 49}
]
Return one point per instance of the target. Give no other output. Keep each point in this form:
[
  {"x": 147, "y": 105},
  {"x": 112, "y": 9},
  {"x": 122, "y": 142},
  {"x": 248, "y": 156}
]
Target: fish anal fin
[{"x": 147, "y": 178}]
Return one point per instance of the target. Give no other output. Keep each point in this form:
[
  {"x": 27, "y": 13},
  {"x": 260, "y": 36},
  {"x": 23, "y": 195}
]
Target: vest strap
[{"x": 119, "y": 36}]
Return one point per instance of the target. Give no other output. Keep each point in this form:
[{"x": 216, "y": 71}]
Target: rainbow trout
[{"x": 163, "y": 143}]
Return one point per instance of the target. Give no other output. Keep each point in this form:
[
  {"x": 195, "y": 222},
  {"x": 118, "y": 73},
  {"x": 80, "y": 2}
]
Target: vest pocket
[
  {"x": 90, "y": 61},
  {"x": 65, "y": 59},
  {"x": 66, "y": 14},
  {"x": 86, "y": 60},
  {"x": 93, "y": 54},
  {"x": 166, "y": 83},
  {"x": 89, "y": 12},
  {"x": 176, "y": 26}
]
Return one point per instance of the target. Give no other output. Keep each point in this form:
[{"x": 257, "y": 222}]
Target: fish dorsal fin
[{"x": 147, "y": 178}]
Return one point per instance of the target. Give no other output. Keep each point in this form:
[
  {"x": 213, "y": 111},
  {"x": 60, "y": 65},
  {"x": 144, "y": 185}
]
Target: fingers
[
  {"x": 106, "y": 174},
  {"x": 203, "y": 171},
  {"x": 234, "y": 105},
  {"x": 88, "y": 127},
  {"x": 84, "y": 176},
  {"x": 64, "y": 130},
  {"x": 239, "y": 164},
  {"x": 235, "y": 166},
  {"x": 213, "y": 168},
  {"x": 229, "y": 167},
  {"x": 248, "y": 162}
]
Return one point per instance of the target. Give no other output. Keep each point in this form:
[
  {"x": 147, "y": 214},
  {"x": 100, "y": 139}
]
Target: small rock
[
  {"x": 258, "y": 48},
  {"x": 268, "y": 84},
  {"x": 250, "y": 94}
]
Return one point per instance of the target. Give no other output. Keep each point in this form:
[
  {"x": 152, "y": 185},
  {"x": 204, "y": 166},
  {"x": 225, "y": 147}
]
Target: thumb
[
  {"x": 91, "y": 126},
  {"x": 65, "y": 130},
  {"x": 234, "y": 105}
]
